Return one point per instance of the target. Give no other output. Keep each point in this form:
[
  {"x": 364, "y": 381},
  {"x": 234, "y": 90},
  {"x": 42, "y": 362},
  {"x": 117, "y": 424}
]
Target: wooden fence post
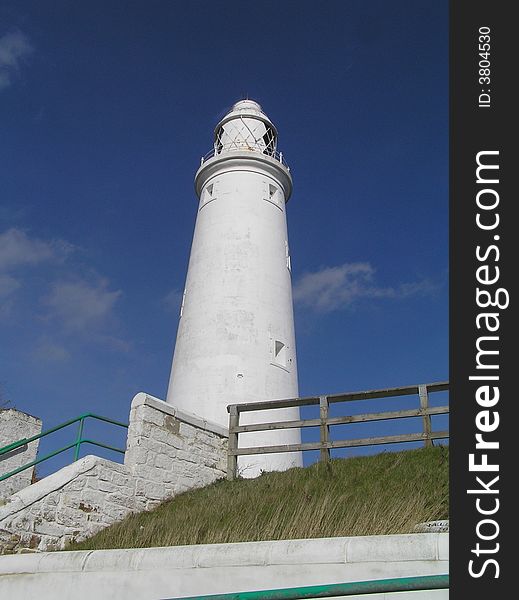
[
  {"x": 232, "y": 459},
  {"x": 324, "y": 455},
  {"x": 426, "y": 418}
]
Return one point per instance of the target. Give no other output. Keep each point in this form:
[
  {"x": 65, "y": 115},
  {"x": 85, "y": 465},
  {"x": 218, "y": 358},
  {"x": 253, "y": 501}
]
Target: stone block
[
  {"x": 137, "y": 456},
  {"x": 78, "y": 484},
  {"x": 172, "y": 425},
  {"x": 161, "y": 434},
  {"x": 93, "y": 498},
  {"x": 151, "y": 415},
  {"x": 151, "y": 504},
  {"x": 106, "y": 486},
  {"x": 140, "y": 486},
  {"x": 52, "y": 528},
  {"x": 121, "y": 479},
  {"x": 50, "y": 544},
  {"x": 119, "y": 498},
  {"x": 155, "y": 491},
  {"x": 162, "y": 462},
  {"x": 187, "y": 457},
  {"x": 113, "y": 513}
]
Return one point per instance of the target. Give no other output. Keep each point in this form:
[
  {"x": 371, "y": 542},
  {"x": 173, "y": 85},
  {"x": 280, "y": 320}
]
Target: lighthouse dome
[{"x": 247, "y": 105}]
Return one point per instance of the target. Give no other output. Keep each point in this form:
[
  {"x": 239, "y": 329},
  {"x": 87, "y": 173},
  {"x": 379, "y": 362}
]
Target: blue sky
[{"x": 105, "y": 110}]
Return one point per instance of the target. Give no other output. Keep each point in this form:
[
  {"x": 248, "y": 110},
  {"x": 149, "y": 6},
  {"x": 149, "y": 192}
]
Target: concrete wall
[
  {"x": 168, "y": 452},
  {"x": 154, "y": 573},
  {"x": 16, "y": 425}
]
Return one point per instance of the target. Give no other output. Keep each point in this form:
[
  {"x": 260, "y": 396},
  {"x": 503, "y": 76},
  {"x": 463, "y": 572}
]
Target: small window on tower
[
  {"x": 208, "y": 194},
  {"x": 280, "y": 354},
  {"x": 273, "y": 194}
]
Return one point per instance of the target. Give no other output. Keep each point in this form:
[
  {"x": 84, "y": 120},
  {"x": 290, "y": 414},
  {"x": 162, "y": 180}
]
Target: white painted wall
[
  {"x": 238, "y": 297},
  {"x": 155, "y": 573},
  {"x": 16, "y": 425}
]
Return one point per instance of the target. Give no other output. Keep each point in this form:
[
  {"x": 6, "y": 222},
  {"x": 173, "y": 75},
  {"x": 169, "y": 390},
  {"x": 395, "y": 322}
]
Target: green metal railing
[
  {"x": 376, "y": 586},
  {"x": 75, "y": 444}
]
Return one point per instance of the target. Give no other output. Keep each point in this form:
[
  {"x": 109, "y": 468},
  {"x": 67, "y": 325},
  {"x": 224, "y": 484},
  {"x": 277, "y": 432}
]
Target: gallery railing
[{"x": 242, "y": 148}]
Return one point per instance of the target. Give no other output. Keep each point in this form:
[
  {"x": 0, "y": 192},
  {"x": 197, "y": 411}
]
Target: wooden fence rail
[{"x": 324, "y": 422}]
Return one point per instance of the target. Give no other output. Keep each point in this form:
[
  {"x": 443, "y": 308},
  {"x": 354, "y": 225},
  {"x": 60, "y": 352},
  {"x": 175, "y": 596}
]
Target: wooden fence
[{"x": 325, "y": 421}]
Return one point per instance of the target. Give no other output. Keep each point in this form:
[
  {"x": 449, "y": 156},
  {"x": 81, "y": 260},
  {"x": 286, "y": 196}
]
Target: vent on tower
[
  {"x": 280, "y": 352},
  {"x": 274, "y": 195},
  {"x": 208, "y": 195}
]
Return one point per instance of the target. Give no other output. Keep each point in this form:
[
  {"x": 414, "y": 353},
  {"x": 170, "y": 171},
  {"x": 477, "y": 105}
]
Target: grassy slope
[{"x": 382, "y": 494}]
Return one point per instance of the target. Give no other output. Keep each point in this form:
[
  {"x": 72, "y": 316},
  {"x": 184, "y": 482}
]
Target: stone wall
[
  {"x": 168, "y": 452},
  {"x": 73, "y": 503},
  {"x": 16, "y": 425}
]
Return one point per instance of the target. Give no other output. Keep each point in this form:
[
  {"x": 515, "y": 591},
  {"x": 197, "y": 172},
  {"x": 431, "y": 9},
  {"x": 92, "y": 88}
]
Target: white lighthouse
[{"x": 235, "y": 340}]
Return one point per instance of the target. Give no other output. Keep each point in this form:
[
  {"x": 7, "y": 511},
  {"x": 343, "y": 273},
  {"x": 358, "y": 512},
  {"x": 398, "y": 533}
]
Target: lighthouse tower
[{"x": 235, "y": 340}]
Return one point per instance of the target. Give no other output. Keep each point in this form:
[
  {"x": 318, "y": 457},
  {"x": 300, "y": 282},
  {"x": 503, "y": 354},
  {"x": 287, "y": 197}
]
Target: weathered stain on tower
[{"x": 235, "y": 340}]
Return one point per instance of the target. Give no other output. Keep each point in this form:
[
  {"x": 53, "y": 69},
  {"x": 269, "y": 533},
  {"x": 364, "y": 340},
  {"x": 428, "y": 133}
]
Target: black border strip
[{"x": 476, "y": 127}]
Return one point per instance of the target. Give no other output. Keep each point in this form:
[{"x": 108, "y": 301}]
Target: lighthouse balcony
[{"x": 245, "y": 148}]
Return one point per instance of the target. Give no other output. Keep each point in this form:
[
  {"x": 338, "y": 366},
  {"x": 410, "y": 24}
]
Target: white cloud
[
  {"x": 71, "y": 303},
  {"x": 49, "y": 351},
  {"x": 334, "y": 288},
  {"x": 80, "y": 306},
  {"x": 112, "y": 342},
  {"x": 14, "y": 49},
  {"x": 17, "y": 249},
  {"x": 8, "y": 285}
]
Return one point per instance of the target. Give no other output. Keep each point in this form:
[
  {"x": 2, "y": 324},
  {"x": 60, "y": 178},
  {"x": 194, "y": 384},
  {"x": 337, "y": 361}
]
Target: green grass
[{"x": 387, "y": 493}]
